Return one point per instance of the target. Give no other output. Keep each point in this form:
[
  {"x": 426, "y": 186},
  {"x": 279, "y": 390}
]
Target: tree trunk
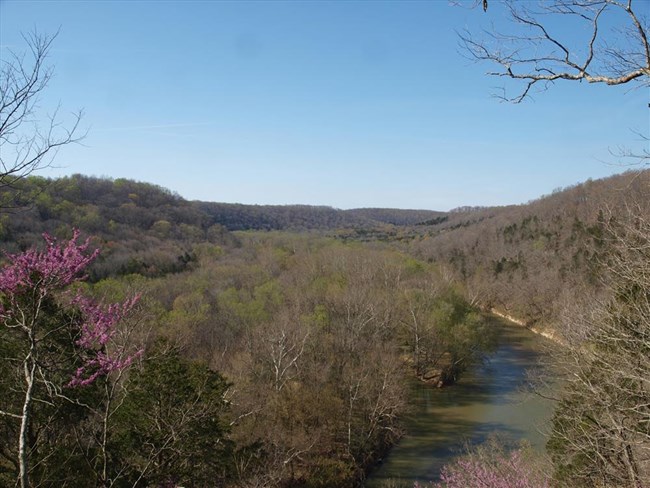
[{"x": 23, "y": 454}]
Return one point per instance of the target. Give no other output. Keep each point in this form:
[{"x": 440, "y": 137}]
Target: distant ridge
[{"x": 236, "y": 216}]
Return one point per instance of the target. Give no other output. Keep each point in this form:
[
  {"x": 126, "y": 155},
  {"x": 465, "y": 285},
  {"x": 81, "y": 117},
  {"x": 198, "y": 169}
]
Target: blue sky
[{"x": 348, "y": 104}]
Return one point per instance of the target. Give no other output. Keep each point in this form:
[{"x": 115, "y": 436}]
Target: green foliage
[
  {"x": 413, "y": 266},
  {"x": 171, "y": 428},
  {"x": 148, "y": 230},
  {"x": 161, "y": 228},
  {"x": 443, "y": 334},
  {"x": 55, "y": 454},
  {"x": 330, "y": 472},
  {"x": 319, "y": 317}
]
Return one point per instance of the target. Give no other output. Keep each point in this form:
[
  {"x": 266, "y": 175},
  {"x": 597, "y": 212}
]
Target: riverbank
[
  {"x": 548, "y": 334},
  {"x": 488, "y": 398}
]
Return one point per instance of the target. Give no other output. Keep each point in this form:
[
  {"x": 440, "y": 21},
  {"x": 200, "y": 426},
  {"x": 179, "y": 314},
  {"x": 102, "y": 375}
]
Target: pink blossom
[
  {"x": 33, "y": 275},
  {"x": 98, "y": 328},
  {"x": 43, "y": 271},
  {"x": 509, "y": 471}
]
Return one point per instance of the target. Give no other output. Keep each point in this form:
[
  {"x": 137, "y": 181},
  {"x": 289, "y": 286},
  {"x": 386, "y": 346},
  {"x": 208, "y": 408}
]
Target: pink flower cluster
[
  {"x": 510, "y": 471},
  {"x": 97, "y": 330},
  {"x": 32, "y": 275},
  {"x": 41, "y": 272}
]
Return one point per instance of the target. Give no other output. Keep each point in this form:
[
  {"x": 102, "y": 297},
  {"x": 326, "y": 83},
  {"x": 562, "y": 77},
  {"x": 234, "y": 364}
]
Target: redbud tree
[
  {"x": 54, "y": 344},
  {"x": 508, "y": 471},
  {"x": 494, "y": 464}
]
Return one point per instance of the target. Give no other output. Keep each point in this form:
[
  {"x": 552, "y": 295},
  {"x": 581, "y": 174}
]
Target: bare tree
[
  {"x": 613, "y": 48},
  {"x": 600, "y": 434},
  {"x": 29, "y": 140}
]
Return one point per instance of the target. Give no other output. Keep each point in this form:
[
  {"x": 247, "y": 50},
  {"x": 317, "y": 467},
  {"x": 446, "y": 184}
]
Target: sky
[{"x": 347, "y": 104}]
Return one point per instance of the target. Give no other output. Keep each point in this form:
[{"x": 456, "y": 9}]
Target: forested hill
[
  {"x": 302, "y": 217},
  {"x": 101, "y": 204},
  {"x": 531, "y": 260},
  {"x": 396, "y": 216},
  {"x": 141, "y": 228},
  {"x": 147, "y": 229}
]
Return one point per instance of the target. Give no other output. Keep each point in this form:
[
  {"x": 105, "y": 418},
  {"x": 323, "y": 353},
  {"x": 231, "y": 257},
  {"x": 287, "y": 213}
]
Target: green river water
[{"x": 490, "y": 398}]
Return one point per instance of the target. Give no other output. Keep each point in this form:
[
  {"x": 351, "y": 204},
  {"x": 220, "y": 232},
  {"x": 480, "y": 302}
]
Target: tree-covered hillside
[
  {"x": 124, "y": 209},
  {"x": 532, "y": 259},
  {"x": 305, "y": 217},
  {"x": 142, "y": 228}
]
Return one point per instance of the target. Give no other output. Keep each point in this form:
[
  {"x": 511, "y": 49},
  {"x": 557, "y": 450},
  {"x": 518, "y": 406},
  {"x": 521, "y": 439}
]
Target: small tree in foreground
[
  {"x": 491, "y": 465},
  {"x": 53, "y": 345},
  {"x": 171, "y": 428}
]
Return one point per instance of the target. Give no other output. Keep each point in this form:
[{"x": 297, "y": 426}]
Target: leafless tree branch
[
  {"x": 28, "y": 144},
  {"x": 534, "y": 55}
]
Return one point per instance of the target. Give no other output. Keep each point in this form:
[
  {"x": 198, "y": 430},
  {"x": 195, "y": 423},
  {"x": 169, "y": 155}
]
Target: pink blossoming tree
[
  {"x": 493, "y": 465},
  {"x": 48, "y": 333},
  {"x": 509, "y": 471}
]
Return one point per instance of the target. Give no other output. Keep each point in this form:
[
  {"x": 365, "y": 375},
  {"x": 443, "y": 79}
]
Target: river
[{"x": 489, "y": 398}]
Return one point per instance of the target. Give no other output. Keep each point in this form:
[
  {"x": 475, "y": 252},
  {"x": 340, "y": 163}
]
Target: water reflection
[{"x": 489, "y": 399}]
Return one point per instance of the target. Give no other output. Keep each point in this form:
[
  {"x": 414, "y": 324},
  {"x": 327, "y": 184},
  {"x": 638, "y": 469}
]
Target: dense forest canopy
[
  {"x": 297, "y": 344},
  {"x": 312, "y": 338},
  {"x": 526, "y": 259}
]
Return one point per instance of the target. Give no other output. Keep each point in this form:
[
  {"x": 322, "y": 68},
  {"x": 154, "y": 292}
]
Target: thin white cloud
[{"x": 156, "y": 126}]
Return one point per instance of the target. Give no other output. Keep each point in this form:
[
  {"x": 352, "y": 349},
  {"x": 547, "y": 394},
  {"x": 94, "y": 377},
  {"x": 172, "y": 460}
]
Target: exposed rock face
[{"x": 547, "y": 333}]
